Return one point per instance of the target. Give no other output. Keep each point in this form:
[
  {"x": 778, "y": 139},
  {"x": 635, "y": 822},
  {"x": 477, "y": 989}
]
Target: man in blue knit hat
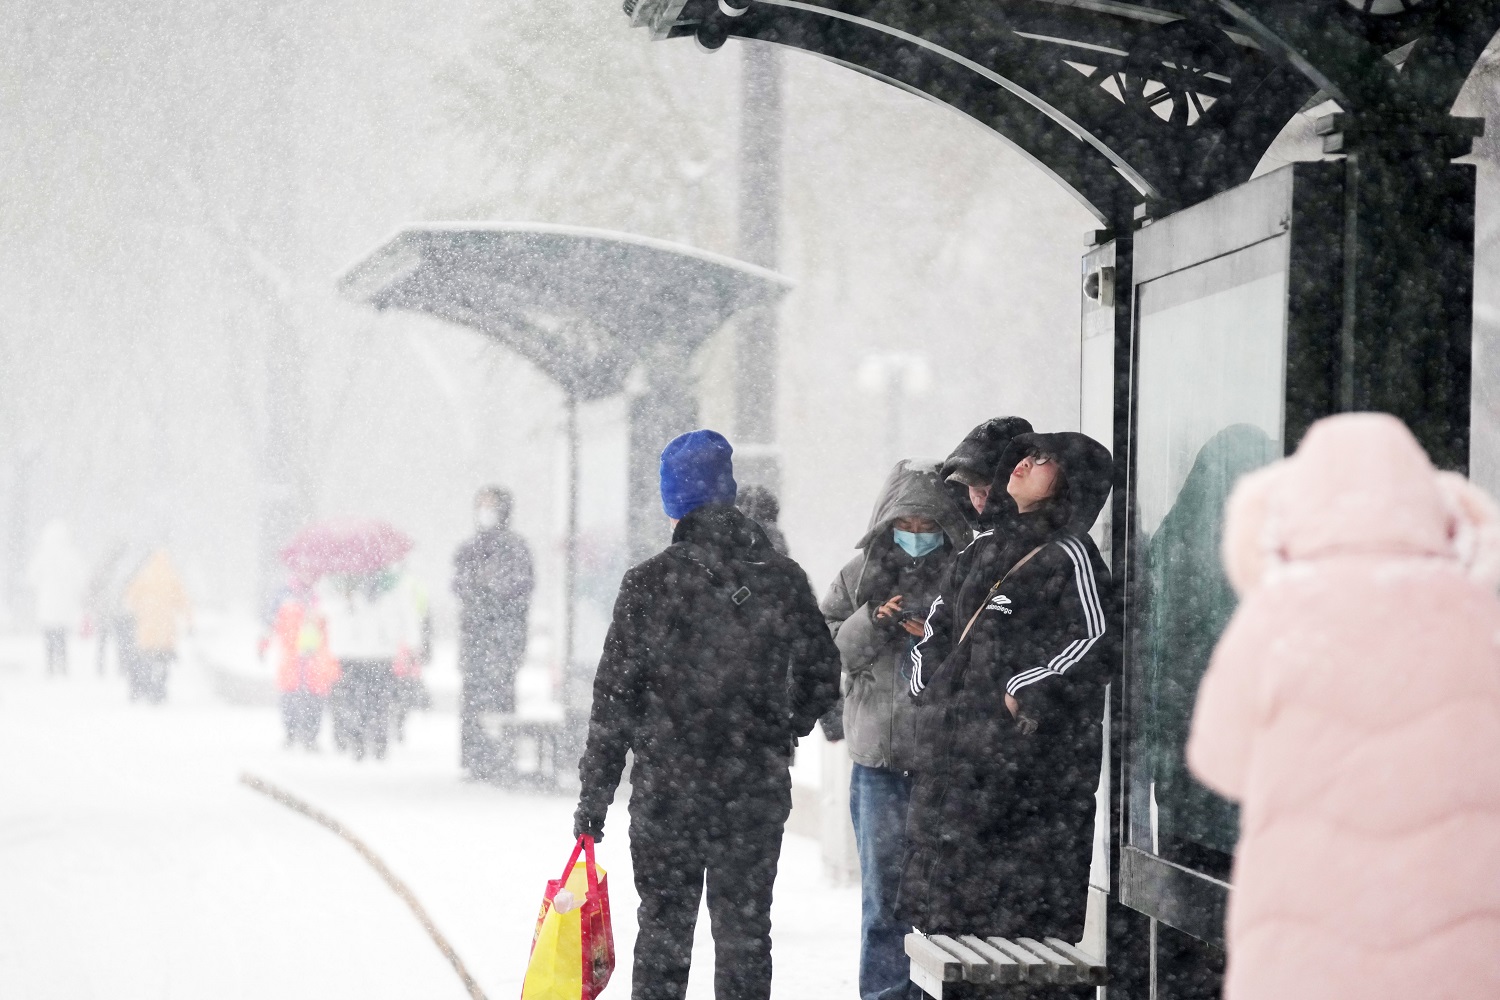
[{"x": 716, "y": 662}]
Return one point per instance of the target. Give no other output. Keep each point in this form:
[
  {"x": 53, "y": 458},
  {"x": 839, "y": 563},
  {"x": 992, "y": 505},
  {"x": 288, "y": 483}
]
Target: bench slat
[
  {"x": 1004, "y": 968},
  {"x": 976, "y": 967},
  {"x": 1060, "y": 968},
  {"x": 1029, "y": 967},
  {"x": 936, "y": 962},
  {"x": 1097, "y": 975}
]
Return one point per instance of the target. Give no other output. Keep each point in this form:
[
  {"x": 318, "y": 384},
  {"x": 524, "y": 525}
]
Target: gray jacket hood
[{"x": 915, "y": 489}]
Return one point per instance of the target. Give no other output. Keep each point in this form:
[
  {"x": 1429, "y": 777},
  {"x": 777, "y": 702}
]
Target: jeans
[{"x": 877, "y": 804}]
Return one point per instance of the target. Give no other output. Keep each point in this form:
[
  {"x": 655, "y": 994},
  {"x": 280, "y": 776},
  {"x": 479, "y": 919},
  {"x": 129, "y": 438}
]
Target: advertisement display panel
[{"x": 1230, "y": 348}]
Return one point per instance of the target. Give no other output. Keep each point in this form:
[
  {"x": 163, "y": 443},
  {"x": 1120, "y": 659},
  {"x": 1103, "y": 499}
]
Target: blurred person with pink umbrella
[{"x": 369, "y": 618}]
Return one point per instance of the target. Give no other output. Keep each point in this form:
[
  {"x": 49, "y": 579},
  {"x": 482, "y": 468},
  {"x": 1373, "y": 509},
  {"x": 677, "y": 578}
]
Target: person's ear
[
  {"x": 1475, "y": 527},
  {"x": 1249, "y": 550}
]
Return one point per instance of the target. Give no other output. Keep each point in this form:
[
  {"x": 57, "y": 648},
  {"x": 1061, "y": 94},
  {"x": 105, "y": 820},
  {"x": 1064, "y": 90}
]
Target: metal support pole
[
  {"x": 570, "y": 556},
  {"x": 577, "y": 683},
  {"x": 1129, "y": 934},
  {"x": 756, "y": 349}
]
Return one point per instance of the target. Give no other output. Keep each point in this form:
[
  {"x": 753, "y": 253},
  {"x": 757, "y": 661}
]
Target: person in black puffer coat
[
  {"x": 716, "y": 662},
  {"x": 492, "y": 579},
  {"x": 1001, "y": 822}
]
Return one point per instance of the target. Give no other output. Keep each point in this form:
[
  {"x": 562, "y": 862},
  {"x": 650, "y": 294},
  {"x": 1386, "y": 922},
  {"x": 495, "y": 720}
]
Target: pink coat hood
[{"x": 1352, "y": 707}]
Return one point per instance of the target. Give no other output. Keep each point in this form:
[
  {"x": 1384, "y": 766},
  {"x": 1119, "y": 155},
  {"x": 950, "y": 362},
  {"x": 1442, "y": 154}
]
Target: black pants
[
  {"x": 146, "y": 674},
  {"x": 367, "y": 705},
  {"x": 302, "y": 714},
  {"x": 488, "y": 686},
  {"x": 57, "y": 650},
  {"x": 735, "y": 854}
]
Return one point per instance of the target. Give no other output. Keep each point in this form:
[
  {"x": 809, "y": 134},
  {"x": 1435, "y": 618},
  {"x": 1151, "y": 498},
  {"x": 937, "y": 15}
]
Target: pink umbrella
[{"x": 352, "y": 545}]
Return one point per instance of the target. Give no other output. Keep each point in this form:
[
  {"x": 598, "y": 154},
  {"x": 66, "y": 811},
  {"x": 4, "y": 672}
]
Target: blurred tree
[{"x": 562, "y": 113}]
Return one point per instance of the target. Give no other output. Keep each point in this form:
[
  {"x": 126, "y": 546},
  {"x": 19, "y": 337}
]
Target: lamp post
[{"x": 898, "y": 377}]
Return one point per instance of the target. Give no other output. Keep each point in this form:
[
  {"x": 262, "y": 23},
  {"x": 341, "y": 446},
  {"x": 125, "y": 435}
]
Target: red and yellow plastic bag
[{"x": 573, "y": 948}]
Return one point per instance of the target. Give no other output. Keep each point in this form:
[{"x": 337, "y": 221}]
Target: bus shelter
[
  {"x": 1222, "y": 310},
  {"x": 600, "y": 313}
]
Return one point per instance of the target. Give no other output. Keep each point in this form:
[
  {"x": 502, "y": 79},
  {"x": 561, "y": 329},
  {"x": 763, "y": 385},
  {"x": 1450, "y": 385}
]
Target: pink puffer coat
[{"x": 1353, "y": 708}]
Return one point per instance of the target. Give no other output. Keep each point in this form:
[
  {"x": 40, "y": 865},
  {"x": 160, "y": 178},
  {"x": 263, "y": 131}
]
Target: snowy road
[{"x": 134, "y": 864}]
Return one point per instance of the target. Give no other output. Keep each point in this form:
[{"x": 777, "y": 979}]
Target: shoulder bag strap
[
  {"x": 980, "y": 610},
  {"x": 737, "y": 595}
]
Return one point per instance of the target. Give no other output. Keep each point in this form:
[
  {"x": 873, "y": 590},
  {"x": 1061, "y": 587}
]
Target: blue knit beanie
[{"x": 696, "y": 469}]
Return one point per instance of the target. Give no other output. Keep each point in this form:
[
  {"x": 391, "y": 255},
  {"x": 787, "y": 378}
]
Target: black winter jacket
[
  {"x": 1001, "y": 820},
  {"x": 492, "y": 580},
  {"x": 716, "y": 661}
]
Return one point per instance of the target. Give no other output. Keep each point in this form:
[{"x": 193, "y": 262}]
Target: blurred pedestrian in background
[
  {"x": 716, "y": 661},
  {"x": 1352, "y": 708},
  {"x": 58, "y": 577},
  {"x": 158, "y": 606},
  {"x": 369, "y": 617},
  {"x": 1016, "y": 657},
  {"x": 305, "y": 667},
  {"x": 102, "y": 603},
  {"x": 492, "y": 578},
  {"x": 876, "y": 610},
  {"x": 972, "y": 465},
  {"x": 760, "y": 505}
]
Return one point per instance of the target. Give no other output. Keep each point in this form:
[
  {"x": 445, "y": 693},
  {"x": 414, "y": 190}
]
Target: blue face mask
[{"x": 918, "y": 543}]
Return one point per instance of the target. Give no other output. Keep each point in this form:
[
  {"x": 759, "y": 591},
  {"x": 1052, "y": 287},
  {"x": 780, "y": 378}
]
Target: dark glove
[
  {"x": 587, "y": 826},
  {"x": 833, "y": 722}
]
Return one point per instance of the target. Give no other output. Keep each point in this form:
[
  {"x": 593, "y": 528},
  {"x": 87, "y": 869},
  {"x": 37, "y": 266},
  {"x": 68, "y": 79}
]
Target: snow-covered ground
[{"x": 133, "y": 863}]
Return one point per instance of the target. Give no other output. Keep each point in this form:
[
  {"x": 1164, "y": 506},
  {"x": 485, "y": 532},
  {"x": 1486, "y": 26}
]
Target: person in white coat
[
  {"x": 370, "y": 619},
  {"x": 58, "y": 577}
]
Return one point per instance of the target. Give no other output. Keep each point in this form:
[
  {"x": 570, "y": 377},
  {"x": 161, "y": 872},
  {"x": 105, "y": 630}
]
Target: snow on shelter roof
[{"x": 583, "y": 305}]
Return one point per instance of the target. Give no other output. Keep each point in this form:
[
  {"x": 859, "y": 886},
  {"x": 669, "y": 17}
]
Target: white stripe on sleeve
[
  {"x": 917, "y": 684},
  {"x": 1093, "y": 615}
]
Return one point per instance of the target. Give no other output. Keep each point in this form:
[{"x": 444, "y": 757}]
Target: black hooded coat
[
  {"x": 492, "y": 579},
  {"x": 1001, "y": 821},
  {"x": 716, "y": 661}
]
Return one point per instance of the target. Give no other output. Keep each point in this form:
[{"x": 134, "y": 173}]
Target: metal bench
[
  {"x": 505, "y": 733},
  {"x": 949, "y": 967},
  {"x": 968, "y": 966}
]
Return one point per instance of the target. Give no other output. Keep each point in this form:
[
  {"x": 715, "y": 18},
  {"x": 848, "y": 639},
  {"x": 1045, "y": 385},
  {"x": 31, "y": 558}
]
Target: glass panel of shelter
[{"x": 1210, "y": 407}]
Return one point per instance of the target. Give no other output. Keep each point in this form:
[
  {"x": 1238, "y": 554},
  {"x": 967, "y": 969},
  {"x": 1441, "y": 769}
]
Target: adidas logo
[{"x": 998, "y": 603}]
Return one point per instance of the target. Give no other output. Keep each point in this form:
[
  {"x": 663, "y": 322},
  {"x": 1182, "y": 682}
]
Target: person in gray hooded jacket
[{"x": 874, "y": 609}]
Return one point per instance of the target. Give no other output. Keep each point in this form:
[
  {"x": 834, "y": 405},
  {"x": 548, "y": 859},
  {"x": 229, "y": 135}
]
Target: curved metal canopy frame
[{"x": 1167, "y": 101}]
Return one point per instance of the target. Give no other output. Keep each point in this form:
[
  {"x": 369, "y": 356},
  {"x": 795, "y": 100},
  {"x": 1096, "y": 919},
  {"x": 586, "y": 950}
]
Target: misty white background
[{"x": 139, "y": 154}]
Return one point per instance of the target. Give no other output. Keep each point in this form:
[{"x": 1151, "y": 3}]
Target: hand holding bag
[{"x": 573, "y": 948}]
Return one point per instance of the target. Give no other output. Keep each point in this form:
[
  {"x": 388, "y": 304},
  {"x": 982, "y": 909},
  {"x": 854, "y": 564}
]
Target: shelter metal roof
[
  {"x": 1165, "y": 101},
  {"x": 583, "y": 305}
]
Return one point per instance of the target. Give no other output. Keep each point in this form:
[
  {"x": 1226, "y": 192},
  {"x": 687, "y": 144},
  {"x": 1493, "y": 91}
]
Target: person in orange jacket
[
  {"x": 158, "y": 606},
  {"x": 305, "y": 669}
]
